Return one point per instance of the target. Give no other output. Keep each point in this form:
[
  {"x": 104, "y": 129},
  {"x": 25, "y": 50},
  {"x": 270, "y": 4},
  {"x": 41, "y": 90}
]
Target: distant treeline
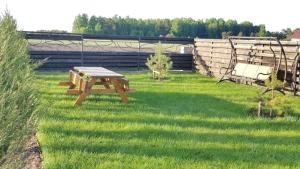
[{"x": 179, "y": 27}]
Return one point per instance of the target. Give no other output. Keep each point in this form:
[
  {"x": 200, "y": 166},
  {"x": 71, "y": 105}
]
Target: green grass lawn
[{"x": 185, "y": 122}]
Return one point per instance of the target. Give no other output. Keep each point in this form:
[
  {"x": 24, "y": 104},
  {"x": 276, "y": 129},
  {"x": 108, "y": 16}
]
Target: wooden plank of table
[
  {"x": 75, "y": 78},
  {"x": 71, "y": 76},
  {"x": 92, "y": 91},
  {"x": 103, "y": 75},
  {"x": 65, "y": 83},
  {"x": 97, "y": 72},
  {"x": 70, "y": 82},
  {"x": 82, "y": 68},
  {"x": 93, "y": 69}
]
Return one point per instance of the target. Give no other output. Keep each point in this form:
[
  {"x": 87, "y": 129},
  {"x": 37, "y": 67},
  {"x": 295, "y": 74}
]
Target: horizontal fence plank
[
  {"x": 82, "y": 52},
  {"x": 212, "y": 54},
  {"x": 121, "y": 60}
]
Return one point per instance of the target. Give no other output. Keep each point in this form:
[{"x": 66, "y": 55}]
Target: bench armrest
[
  {"x": 226, "y": 69},
  {"x": 262, "y": 74}
]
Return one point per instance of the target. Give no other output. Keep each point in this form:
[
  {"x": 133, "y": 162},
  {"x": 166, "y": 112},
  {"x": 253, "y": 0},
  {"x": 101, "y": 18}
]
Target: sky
[{"x": 32, "y": 15}]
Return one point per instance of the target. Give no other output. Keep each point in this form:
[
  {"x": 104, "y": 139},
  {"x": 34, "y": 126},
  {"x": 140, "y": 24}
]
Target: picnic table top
[{"x": 97, "y": 72}]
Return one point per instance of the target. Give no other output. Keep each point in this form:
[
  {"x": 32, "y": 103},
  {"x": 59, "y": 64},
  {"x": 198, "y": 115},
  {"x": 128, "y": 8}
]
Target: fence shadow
[{"x": 177, "y": 120}]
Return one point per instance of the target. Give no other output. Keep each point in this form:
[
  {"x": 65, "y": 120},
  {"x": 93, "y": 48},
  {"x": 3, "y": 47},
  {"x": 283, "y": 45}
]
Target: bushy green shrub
[
  {"x": 159, "y": 64},
  {"x": 18, "y": 97},
  {"x": 273, "y": 105}
]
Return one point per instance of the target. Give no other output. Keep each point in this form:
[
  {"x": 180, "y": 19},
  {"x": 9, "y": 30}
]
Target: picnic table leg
[
  {"x": 120, "y": 90},
  {"x": 85, "y": 87},
  {"x": 81, "y": 98}
]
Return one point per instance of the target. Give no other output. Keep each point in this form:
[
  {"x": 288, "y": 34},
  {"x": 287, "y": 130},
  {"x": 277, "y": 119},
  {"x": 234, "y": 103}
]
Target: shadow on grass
[
  {"x": 256, "y": 154},
  {"x": 169, "y": 103},
  {"x": 175, "y": 109},
  {"x": 147, "y": 134},
  {"x": 164, "y": 109}
]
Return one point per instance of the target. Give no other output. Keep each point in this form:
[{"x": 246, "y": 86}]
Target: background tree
[
  {"x": 178, "y": 27},
  {"x": 91, "y": 26},
  {"x": 81, "y": 24},
  {"x": 262, "y": 31},
  {"x": 288, "y": 33},
  {"x": 98, "y": 28},
  {"x": 232, "y": 26}
]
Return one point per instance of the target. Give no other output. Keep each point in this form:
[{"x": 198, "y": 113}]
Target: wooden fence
[
  {"x": 65, "y": 60},
  {"x": 209, "y": 54},
  {"x": 212, "y": 54},
  {"x": 66, "y": 50}
]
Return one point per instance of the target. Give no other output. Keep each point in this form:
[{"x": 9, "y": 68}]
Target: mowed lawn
[{"x": 185, "y": 122}]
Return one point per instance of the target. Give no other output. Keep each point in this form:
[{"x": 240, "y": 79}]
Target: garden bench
[
  {"x": 82, "y": 80},
  {"x": 248, "y": 72}
]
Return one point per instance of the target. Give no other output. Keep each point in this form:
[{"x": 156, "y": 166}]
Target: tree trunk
[{"x": 259, "y": 109}]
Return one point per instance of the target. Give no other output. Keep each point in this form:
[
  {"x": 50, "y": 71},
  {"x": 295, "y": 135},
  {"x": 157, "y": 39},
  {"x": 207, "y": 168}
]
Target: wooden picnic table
[{"x": 83, "y": 79}]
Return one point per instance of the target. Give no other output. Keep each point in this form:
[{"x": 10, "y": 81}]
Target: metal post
[
  {"x": 195, "y": 54},
  {"x": 139, "y": 54},
  {"x": 81, "y": 58}
]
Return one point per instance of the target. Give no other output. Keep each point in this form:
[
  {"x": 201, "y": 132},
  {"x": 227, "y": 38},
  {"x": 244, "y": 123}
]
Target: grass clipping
[{"x": 18, "y": 98}]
